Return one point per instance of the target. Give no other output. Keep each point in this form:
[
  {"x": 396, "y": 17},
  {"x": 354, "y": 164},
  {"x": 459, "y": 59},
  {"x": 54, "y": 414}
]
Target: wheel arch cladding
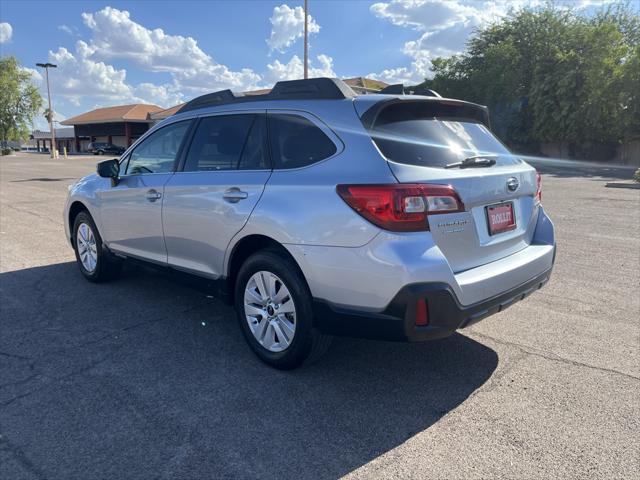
[
  {"x": 75, "y": 208},
  {"x": 246, "y": 247}
]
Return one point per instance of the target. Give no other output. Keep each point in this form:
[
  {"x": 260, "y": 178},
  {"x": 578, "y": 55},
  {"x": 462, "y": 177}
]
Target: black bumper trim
[{"x": 396, "y": 322}]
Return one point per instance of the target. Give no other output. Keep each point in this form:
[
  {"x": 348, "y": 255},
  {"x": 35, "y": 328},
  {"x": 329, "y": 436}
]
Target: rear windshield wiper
[{"x": 474, "y": 162}]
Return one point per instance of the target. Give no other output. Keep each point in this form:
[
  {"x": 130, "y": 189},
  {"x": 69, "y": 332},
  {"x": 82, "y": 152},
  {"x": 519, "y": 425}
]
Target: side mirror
[{"x": 109, "y": 169}]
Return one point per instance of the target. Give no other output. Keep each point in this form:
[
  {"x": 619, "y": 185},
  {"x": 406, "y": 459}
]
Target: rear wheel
[
  {"x": 273, "y": 304},
  {"x": 95, "y": 263}
]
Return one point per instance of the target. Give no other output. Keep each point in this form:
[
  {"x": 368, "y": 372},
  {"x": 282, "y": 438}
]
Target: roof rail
[
  {"x": 215, "y": 98},
  {"x": 400, "y": 89},
  {"x": 310, "y": 89}
]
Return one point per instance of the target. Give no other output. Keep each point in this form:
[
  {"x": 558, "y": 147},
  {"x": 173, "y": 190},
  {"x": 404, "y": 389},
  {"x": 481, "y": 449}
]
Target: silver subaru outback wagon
[{"x": 317, "y": 212}]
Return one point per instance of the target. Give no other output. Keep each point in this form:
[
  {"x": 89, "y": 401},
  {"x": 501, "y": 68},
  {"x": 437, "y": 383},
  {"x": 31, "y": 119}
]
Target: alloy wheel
[
  {"x": 270, "y": 311},
  {"x": 87, "y": 249}
]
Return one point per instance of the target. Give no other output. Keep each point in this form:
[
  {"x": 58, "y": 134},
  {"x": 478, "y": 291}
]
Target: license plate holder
[{"x": 500, "y": 217}]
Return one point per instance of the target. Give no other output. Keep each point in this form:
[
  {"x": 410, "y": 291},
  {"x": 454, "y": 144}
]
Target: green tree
[
  {"x": 20, "y": 100},
  {"x": 551, "y": 75},
  {"x": 628, "y": 74}
]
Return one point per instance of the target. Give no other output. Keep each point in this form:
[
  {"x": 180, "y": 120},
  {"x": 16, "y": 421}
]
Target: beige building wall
[{"x": 121, "y": 141}]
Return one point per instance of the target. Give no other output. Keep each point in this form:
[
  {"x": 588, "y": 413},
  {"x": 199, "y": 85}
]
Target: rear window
[{"x": 431, "y": 134}]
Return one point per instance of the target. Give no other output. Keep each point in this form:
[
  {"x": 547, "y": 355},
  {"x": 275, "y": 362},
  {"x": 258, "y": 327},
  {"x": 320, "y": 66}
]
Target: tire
[
  {"x": 100, "y": 152},
  {"x": 306, "y": 344},
  {"x": 104, "y": 266}
]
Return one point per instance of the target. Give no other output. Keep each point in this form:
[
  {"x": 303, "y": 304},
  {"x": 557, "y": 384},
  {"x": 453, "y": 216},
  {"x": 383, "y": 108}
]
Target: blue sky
[{"x": 165, "y": 52}]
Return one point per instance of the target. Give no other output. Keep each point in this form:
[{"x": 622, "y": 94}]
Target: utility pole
[
  {"x": 54, "y": 150},
  {"x": 306, "y": 39}
]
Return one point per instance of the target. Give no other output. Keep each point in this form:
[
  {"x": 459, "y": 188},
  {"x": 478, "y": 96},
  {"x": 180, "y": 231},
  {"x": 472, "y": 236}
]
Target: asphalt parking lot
[{"x": 147, "y": 377}]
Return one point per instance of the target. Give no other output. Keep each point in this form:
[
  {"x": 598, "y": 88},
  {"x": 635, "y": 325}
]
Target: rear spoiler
[{"x": 469, "y": 110}]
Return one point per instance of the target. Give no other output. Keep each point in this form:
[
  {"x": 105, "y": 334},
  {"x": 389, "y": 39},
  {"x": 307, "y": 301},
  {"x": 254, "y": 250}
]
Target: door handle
[
  {"x": 234, "y": 195},
  {"x": 153, "y": 195}
]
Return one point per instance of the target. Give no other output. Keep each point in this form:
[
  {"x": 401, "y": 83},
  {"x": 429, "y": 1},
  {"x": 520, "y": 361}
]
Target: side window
[
  {"x": 157, "y": 153},
  {"x": 219, "y": 143},
  {"x": 297, "y": 142},
  {"x": 254, "y": 155}
]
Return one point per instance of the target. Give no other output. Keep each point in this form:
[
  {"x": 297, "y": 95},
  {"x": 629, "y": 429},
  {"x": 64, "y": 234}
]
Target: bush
[
  {"x": 636, "y": 176},
  {"x": 7, "y": 151}
]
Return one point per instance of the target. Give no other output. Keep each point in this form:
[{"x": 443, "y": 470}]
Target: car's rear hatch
[{"x": 423, "y": 140}]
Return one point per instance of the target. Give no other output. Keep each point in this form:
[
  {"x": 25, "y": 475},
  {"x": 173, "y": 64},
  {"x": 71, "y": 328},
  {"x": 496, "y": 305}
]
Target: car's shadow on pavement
[
  {"x": 147, "y": 378},
  {"x": 569, "y": 169}
]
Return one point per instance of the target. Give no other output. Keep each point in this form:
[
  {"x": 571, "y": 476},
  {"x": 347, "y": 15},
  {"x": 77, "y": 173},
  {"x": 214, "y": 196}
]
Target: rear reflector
[
  {"x": 539, "y": 188},
  {"x": 422, "y": 316},
  {"x": 401, "y": 207}
]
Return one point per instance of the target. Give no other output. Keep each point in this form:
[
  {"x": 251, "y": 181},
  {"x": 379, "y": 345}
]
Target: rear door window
[
  {"x": 430, "y": 134},
  {"x": 297, "y": 142},
  {"x": 227, "y": 142}
]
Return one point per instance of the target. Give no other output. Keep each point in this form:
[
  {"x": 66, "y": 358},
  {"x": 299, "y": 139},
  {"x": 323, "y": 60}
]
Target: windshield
[{"x": 424, "y": 134}]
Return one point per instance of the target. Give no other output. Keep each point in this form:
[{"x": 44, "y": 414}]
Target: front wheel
[
  {"x": 273, "y": 304},
  {"x": 95, "y": 263}
]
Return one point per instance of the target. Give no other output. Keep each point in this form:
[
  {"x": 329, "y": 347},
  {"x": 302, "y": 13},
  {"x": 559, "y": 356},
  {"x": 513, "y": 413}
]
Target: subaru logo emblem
[{"x": 513, "y": 184}]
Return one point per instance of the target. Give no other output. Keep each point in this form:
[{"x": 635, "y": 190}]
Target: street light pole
[
  {"x": 306, "y": 39},
  {"x": 54, "y": 150}
]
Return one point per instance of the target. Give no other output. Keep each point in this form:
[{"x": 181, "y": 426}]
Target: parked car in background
[
  {"x": 102, "y": 148},
  {"x": 317, "y": 212}
]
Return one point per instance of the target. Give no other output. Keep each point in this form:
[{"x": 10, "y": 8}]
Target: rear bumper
[
  {"x": 397, "y": 322},
  {"x": 368, "y": 278}
]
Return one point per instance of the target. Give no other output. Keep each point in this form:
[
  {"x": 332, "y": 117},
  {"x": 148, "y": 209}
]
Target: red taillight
[
  {"x": 401, "y": 207},
  {"x": 539, "y": 188},
  {"x": 422, "y": 315}
]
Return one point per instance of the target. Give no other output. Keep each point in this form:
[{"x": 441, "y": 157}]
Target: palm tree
[{"x": 48, "y": 114}]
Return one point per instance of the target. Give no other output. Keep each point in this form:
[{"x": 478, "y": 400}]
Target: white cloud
[
  {"x": 165, "y": 95},
  {"x": 116, "y": 36},
  {"x": 402, "y": 75},
  {"x": 294, "y": 69},
  {"x": 422, "y": 14},
  {"x": 36, "y": 77},
  {"x": 70, "y": 29},
  {"x": 5, "y": 32},
  {"x": 216, "y": 77},
  {"x": 78, "y": 76},
  {"x": 444, "y": 26},
  {"x": 57, "y": 116},
  {"x": 85, "y": 73},
  {"x": 89, "y": 74},
  {"x": 287, "y": 26}
]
